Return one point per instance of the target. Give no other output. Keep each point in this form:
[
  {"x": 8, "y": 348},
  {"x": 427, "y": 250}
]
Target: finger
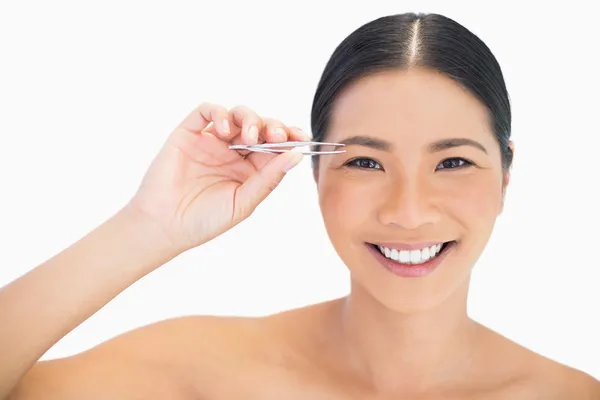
[
  {"x": 220, "y": 117},
  {"x": 205, "y": 115},
  {"x": 256, "y": 188},
  {"x": 248, "y": 122},
  {"x": 196, "y": 121},
  {"x": 297, "y": 134},
  {"x": 274, "y": 131},
  {"x": 258, "y": 160}
]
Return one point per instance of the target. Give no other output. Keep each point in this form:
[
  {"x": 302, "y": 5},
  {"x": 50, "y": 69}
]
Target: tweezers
[{"x": 283, "y": 147}]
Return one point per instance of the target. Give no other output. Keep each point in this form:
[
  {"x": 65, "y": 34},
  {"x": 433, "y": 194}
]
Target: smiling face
[{"x": 422, "y": 167}]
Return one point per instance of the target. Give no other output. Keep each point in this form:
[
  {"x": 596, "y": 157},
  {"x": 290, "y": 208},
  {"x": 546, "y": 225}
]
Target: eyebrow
[
  {"x": 439, "y": 145},
  {"x": 455, "y": 142},
  {"x": 367, "y": 141}
]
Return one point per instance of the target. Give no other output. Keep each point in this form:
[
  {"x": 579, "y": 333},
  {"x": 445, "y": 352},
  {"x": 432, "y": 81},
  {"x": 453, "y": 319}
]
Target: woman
[{"x": 409, "y": 207}]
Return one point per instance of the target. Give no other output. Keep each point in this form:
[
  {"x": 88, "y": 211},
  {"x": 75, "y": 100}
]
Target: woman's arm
[
  {"x": 195, "y": 189},
  {"x": 42, "y": 306}
]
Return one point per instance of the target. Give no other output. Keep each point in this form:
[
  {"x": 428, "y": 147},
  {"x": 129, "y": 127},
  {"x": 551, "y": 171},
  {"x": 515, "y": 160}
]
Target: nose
[{"x": 409, "y": 204}]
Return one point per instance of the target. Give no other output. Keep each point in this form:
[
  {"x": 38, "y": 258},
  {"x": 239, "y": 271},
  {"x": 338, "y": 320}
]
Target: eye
[
  {"x": 454, "y": 163},
  {"x": 364, "y": 163}
]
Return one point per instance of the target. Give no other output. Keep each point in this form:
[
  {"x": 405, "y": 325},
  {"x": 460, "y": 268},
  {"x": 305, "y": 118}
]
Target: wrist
[{"x": 147, "y": 232}]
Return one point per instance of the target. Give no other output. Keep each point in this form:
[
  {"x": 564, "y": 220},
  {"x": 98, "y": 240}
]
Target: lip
[{"x": 407, "y": 270}]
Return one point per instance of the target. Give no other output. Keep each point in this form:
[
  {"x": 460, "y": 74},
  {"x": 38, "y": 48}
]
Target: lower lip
[{"x": 411, "y": 270}]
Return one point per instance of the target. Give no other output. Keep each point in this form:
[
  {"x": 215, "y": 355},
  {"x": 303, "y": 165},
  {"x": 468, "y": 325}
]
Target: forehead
[{"x": 417, "y": 102}]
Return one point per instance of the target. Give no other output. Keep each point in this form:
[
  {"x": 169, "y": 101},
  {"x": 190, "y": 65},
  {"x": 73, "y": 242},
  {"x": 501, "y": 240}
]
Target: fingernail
[
  {"x": 226, "y": 126},
  {"x": 305, "y": 135},
  {"x": 253, "y": 134},
  {"x": 280, "y": 133}
]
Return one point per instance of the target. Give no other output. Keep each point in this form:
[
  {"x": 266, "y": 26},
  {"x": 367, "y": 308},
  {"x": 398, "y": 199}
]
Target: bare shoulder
[
  {"x": 536, "y": 376},
  {"x": 166, "y": 359},
  {"x": 560, "y": 381}
]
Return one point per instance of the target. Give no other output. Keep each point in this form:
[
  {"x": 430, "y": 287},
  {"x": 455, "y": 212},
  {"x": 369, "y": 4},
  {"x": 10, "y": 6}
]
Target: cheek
[
  {"x": 344, "y": 204},
  {"x": 476, "y": 200},
  {"x": 349, "y": 202}
]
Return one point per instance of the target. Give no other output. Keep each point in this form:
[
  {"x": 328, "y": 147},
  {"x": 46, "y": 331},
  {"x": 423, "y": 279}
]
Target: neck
[{"x": 412, "y": 350}]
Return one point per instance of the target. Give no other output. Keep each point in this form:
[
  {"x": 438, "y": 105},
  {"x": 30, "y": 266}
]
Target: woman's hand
[{"x": 197, "y": 188}]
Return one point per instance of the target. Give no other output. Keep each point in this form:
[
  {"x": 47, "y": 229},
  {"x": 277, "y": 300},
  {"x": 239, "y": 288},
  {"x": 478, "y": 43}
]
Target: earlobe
[
  {"x": 506, "y": 178},
  {"x": 505, "y": 182}
]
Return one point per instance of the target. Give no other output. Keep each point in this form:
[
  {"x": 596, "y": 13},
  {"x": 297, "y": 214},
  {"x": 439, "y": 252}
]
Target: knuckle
[
  {"x": 207, "y": 114},
  {"x": 241, "y": 108},
  {"x": 245, "y": 114},
  {"x": 220, "y": 109},
  {"x": 211, "y": 110},
  {"x": 274, "y": 122}
]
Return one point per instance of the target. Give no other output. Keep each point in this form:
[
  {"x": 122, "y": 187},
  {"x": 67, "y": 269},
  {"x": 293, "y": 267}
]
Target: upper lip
[{"x": 409, "y": 246}]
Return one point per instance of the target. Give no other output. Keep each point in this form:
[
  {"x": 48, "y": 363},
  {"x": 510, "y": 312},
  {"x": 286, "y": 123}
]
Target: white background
[{"x": 89, "y": 92}]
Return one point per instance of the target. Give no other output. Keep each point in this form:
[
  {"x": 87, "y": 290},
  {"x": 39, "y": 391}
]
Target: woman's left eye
[{"x": 453, "y": 163}]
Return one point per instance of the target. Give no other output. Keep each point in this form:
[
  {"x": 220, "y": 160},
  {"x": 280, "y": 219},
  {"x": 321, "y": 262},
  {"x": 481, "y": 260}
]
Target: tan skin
[{"x": 390, "y": 338}]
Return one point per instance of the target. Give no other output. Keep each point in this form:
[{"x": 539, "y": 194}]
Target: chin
[
  {"x": 386, "y": 299},
  {"x": 411, "y": 305},
  {"x": 413, "y": 288}
]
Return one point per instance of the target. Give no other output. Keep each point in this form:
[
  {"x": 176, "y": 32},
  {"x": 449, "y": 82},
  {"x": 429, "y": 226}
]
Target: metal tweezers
[{"x": 283, "y": 147}]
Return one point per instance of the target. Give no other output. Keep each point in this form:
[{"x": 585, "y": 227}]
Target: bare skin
[
  {"x": 268, "y": 358},
  {"x": 390, "y": 338}
]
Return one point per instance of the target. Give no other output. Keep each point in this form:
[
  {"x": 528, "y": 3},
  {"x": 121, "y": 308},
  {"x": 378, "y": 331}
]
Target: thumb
[{"x": 252, "y": 192}]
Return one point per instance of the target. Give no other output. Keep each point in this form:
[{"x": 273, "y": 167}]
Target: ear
[
  {"x": 505, "y": 181},
  {"x": 506, "y": 177}
]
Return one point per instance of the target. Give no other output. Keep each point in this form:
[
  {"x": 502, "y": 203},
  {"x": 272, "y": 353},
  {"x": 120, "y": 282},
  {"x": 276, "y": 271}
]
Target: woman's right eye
[{"x": 364, "y": 163}]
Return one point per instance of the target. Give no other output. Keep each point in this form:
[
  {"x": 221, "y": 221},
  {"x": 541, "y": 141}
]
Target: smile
[
  {"x": 411, "y": 261},
  {"x": 412, "y": 257}
]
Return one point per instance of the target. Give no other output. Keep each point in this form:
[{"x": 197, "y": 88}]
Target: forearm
[{"x": 42, "y": 306}]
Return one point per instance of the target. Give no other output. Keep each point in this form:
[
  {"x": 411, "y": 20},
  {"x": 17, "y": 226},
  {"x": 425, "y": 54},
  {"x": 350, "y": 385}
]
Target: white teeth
[
  {"x": 425, "y": 254},
  {"x": 415, "y": 256},
  {"x": 411, "y": 256},
  {"x": 404, "y": 257}
]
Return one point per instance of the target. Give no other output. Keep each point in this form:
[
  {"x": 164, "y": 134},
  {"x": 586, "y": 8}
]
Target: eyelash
[
  {"x": 466, "y": 163},
  {"x": 355, "y": 163}
]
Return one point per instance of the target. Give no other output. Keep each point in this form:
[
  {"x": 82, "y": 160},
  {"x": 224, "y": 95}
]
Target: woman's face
[{"x": 422, "y": 167}]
